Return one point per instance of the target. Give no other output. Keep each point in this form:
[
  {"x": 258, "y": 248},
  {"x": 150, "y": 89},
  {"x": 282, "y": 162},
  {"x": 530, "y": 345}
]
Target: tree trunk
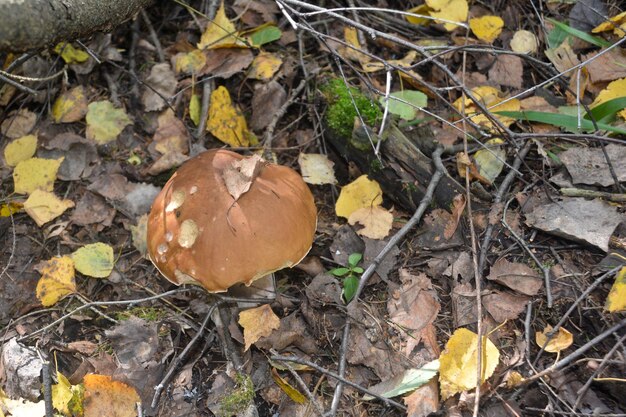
[{"x": 34, "y": 24}]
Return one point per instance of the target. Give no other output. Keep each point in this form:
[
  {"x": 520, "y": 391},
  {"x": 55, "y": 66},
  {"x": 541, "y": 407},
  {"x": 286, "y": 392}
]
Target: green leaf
[
  {"x": 567, "y": 122},
  {"x": 594, "y": 40},
  {"x": 354, "y": 259},
  {"x": 94, "y": 260},
  {"x": 607, "y": 110},
  {"x": 357, "y": 270},
  {"x": 350, "y": 284},
  {"x": 265, "y": 35},
  {"x": 411, "y": 379},
  {"x": 339, "y": 272},
  {"x": 408, "y": 110},
  {"x": 556, "y": 37}
]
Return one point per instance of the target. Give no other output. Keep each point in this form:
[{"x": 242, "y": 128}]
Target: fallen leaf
[
  {"x": 20, "y": 150},
  {"x": 616, "y": 23},
  {"x": 257, "y": 322},
  {"x": 57, "y": 280},
  {"x": 589, "y": 166},
  {"x": 159, "y": 87},
  {"x": 615, "y": 89},
  {"x": 507, "y": 70},
  {"x": 70, "y": 54},
  {"x": 80, "y": 155},
  {"x": 516, "y": 276},
  {"x": 419, "y": 11},
  {"x": 239, "y": 175},
  {"x": 406, "y": 104},
  {"x": 8, "y": 209},
  {"x": 70, "y": 106},
  {"x": 18, "y": 123},
  {"x": 265, "y": 66},
  {"x": 105, "y": 122},
  {"x": 291, "y": 392},
  {"x": 563, "y": 58},
  {"x": 35, "y": 173},
  {"x": 189, "y": 62},
  {"x": 227, "y": 61},
  {"x": 486, "y": 28},
  {"x": 458, "y": 362},
  {"x": 410, "y": 380},
  {"x": 606, "y": 66},
  {"x": 490, "y": 160},
  {"x": 139, "y": 234},
  {"x": 490, "y": 98},
  {"x": 504, "y": 306},
  {"x": 376, "y": 221},
  {"x": 561, "y": 341},
  {"x": 67, "y": 398},
  {"x": 264, "y": 34},
  {"x": 316, "y": 168},
  {"x": 195, "y": 108},
  {"x": 423, "y": 401},
  {"x": 360, "y": 193},
  {"x": 353, "y": 52},
  {"x": 458, "y": 206},
  {"x": 44, "y": 206},
  {"x": 449, "y": 11},
  {"x": 105, "y": 397},
  {"x": 220, "y": 33},
  {"x": 616, "y": 300},
  {"x": 464, "y": 161},
  {"x": 226, "y": 122},
  {"x": 404, "y": 62},
  {"x": 171, "y": 136},
  {"x": 267, "y": 100},
  {"x": 524, "y": 42},
  {"x": 94, "y": 260}
]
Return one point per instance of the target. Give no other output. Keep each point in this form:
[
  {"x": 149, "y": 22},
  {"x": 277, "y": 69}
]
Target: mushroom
[{"x": 224, "y": 219}]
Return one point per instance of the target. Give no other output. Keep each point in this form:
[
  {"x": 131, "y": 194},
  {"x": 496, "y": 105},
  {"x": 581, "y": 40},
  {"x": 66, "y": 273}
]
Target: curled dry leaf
[
  {"x": 560, "y": 341},
  {"x": 524, "y": 42},
  {"x": 239, "y": 175}
]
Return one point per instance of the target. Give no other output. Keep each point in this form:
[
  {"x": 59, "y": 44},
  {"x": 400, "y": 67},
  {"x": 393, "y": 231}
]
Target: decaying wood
[
  {"x": 403, "y": 170},
  {"x": 35, "y": 24}
]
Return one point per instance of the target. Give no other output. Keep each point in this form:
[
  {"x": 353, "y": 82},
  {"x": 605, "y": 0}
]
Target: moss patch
[
  {"x": 240, "y": 397},
  {"x": 341, "y": 110}
]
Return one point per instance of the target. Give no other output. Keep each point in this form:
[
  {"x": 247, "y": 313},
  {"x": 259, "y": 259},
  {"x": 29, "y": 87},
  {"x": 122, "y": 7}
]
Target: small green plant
[
  {"x": 350, "y": 274},
  {"x": 238, "y": 400}
]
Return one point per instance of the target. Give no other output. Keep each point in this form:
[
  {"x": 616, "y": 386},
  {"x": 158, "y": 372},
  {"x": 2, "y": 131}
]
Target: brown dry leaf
[
  {"x": 105, "y": 397},
  {"x": 508, "y": 70},
  {"x": 561, "y": 341},
  {"x": 563, "y": 58},
  {"x": 458, "y": 205},
  {"x": 171, "y": 134},
  {"x": 57, "y": 280},
  {"x": 44, "y": 206},
  {"x": 239, "y": 175},
  {"x": 70, "y": 106},
  {"x": 504, "y": 306},
  {"x": 226, "y": 62},
  {"x": 220, "y": 33},
  {"x": 18, "y": 123},
  {"x": 160, "y": 86},
  {"x": 268, "y": 98},
  {"x": 376, "y": 221},
  {"x": 226, "y": 122},
  {"x": 462, "y": 161},
  {"x": 265, "y": 66},
  {"x": 516, "y": 276},
  {"x": 404, "y": 62},
  {"x": 257, "y": 322},
  {"x": 423, "y": 401}
]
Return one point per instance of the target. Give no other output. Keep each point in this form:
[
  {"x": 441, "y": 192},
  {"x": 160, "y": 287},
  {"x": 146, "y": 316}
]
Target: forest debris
[
  {"x": 317, "y": 168},
  {"x": 105, "y": 122},
  {"x": 561, "y": 341},
  {"x": 516, "y": 276},
  {"x": 266, "y": 101},
  {"x": 92, "y": 209},
  {"x": 80, "y": 155},
  {"x": 376, "y": 221},
  {"x": 257, "y": 322},
  {"x": 70, "y": 106},
  {"x": 44, "y": 206},
  {"x": 20, "y": 368},
  {"x": 504, "y": 306},
  {"x": 508, "y": 70},
  {"x": 160, "y": 87},
  {"x": 225, "y": 63},
  {"x": 589, "y": 166},
  {"x": 18, "y": 123}
]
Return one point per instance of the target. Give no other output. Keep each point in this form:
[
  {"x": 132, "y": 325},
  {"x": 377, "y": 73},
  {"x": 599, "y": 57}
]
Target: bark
[{"x": 34, "y": 24}]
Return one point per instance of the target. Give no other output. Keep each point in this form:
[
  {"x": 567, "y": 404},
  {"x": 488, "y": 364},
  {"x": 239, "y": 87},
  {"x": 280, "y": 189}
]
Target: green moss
[
  {"x": 239, "y": 399},
  {"x": 146, "y": 313},
  {"x": 341, "y": 110}
]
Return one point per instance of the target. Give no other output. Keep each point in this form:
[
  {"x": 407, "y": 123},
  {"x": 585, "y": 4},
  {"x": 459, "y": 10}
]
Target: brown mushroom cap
[{"x": 198, "y": 232}]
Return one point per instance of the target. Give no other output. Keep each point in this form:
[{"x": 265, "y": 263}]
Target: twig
[
  {"x": 47, "y": 385},
  {"x": 339, "y": 378},
  {"x": 207, "y": 89},
  {"x": 369, "y": 272},
  {"x": 579, "y": 192},
  {"x": 153, "y": 35}
]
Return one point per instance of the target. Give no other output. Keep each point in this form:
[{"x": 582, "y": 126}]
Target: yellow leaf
[
  {"x": 265, "y": 66},
  {"x": 35, "y": 173},
  {"x": 316, "y": 168},
  {"x": 220, "y": 33},
  {"x": 562, "y": 340},
  {"x": 449, "y": 11},
  {"x": 352, "y": 52},
  {"x": 105, "y": 397},
  {"x": 57, "y": 280},
  {"x": 422, "y": 10},
  {"x": 70, "y": 54},
  {"x": 376, "y": 221},
  {"x": 459, "y": 365},
  {"x": 616, "y": 301},
  {"x": 44, "y": 206},
  {"x": 490, "y": 98},
  {"x": 195, "y": 108},
  {"x": 360, "y": 193},
  {"x": 615, "y": 89},
  {"x": 94, "y": 260},
  {"x": 293, "y": 393},
  {"x": 70, "y": 106},
  {"x": 257, "y": 322},
  {"x": 405, "y": 62},
  {"x": 105, "y": 122},
  {"x": 226, "y": 121},
  {"x": 10, "y": 208},
  {"x": 67, "y": 398},
  {"x": 487, "y": 28},
  {"x": 524, "y": 42},
  {"x": 190, "y": 62},
  {"x": 616, "y": 23},
  {"x": 20, "y": 150}
]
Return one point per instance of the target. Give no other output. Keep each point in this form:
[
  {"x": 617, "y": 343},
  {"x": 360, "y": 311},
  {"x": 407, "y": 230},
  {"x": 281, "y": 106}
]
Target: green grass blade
[
  {"x": 594, "y": 40},
  {"x": 567, "y": 122},
  {"x": 608, "y": 109}
]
